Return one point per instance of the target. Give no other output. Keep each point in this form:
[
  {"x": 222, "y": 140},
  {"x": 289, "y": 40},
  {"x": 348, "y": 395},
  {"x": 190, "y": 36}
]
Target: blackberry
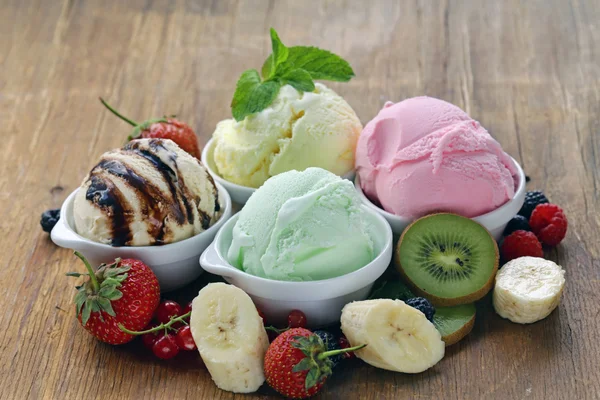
[
  {"x": 518, "y": 223},
  {"x": 423, "y": 305},
  {"x": 49, "y": 219},
  {"x": 532, "y": 199},
  {"x": 331, "y": 343}
]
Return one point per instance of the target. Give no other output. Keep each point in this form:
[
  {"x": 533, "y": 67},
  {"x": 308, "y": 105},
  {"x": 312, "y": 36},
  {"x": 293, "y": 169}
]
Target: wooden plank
[{"x": 528, "y": 71}]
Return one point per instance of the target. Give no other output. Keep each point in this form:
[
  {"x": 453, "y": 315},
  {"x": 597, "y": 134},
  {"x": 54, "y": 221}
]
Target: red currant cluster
[{"x": 175, "y": 334}]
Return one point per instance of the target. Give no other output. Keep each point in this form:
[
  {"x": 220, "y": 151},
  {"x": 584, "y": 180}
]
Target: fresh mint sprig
[{"x": 297, "y": 66}]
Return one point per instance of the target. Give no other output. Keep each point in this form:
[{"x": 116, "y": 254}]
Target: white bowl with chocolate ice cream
[{"x": 151, "y": 201}]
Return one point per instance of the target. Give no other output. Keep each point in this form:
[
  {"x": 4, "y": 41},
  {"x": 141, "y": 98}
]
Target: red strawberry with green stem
[
  {"x": 162, "y": 128},
  {"x": 125, "y": 293},
  {"x": 297, "y": 363}
]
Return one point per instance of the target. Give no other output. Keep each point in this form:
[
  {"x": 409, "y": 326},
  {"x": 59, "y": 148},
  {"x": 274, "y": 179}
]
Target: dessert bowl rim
[
  {"x": 66, "y": 211},
  {"x": 244, "y": 191},
  {"x": 482, "y": 218},
  {"x": 343, "y": 283}
]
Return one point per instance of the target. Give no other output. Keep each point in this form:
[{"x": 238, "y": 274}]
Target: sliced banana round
[
  {"x": 528, "y": 289},
  {"x": 230, "y": 337},
  {"x": 398, "y": 337}
]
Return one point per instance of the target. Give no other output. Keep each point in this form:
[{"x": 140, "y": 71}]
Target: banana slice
[
  {"x": 528, "y": 289},
  {"x": 398, "y": 337},
  {"x": 230, "y": 337}
]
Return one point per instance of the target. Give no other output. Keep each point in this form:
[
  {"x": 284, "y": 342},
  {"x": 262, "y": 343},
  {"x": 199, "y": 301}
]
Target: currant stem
[
  {"x": 340, "y": 351},
  {"x": 112, "y": 110},
  {"x": 93, "y": 279},
  {"x": 277, "y": 331},
  {"x": 159, "y": 327}
]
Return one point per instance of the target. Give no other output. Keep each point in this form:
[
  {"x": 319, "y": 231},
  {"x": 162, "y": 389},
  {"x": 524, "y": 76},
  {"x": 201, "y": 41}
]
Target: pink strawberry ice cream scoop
[{"x": 424, "y": 155}]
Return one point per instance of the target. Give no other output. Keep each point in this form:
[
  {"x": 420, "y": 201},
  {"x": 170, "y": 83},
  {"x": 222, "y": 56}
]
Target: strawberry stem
[
  {"x": 112, "y": 110},
  {"x": 159, "y": 327},
  {"x": 332, "y": 353},
  {"x": 93, "y": 279}
]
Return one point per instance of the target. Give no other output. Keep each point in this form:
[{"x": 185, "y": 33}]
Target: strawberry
[
  {"x": 162, "y": 128},
  {"x": 297, "y": 363},
  {"x": 124, "y": 293}
]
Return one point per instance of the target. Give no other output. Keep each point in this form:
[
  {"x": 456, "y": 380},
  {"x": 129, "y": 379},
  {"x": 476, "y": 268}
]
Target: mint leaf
[
  {"x": 280, "y": 53},
  {"x": 266, "y": 69},
  {"x": 320, "y": 64},
  {"x": 251, "y": 95},
  {"x": 299, "y": 79}
]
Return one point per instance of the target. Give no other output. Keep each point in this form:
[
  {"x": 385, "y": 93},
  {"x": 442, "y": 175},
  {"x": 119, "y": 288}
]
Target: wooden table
[{"x": 529, "y": 71}]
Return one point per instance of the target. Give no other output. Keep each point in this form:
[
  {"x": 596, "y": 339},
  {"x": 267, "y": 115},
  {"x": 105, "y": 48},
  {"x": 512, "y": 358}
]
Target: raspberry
[
  {"x": 532, "y": 199},
  {"x": 549, "y": 223},
  {"x": 520, "y": 244},
  {"x": 518, "y": 223},
  {"x": 422, "y": 305}
]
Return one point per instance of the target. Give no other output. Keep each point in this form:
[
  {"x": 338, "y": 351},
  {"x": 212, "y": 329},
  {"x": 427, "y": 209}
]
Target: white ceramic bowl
[
  {"x": 175, "y": 264},
  {"x": 495, "y": 221},
  {"x": 239, "y": 194},
  {"x": 322, "y": 301}
]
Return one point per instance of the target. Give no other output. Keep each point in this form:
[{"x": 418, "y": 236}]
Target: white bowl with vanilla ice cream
[
  {"x": 149, "y": 201},
  {"x": 297, "y": 131}
]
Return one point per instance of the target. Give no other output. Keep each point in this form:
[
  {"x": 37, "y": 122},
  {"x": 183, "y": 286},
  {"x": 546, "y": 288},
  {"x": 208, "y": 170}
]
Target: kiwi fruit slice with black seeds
[
  {"x": 454, "y": 323},
  {"x": 448, "y": 259}
]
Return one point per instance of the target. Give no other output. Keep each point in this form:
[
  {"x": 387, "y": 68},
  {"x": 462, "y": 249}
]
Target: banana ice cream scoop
[
  {"x": 150, "y": 192},
  {"x": 299, "y": 130}
]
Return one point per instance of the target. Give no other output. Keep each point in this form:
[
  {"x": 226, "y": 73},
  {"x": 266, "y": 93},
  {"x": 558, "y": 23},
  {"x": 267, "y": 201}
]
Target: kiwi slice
[
  {"x": 448, "y": 259},
  {"x": 454, "y": 323}
]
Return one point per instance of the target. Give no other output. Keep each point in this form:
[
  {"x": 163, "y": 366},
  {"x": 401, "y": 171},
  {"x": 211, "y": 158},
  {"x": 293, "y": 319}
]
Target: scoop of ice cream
[
  {"x": 148, "y": 193},
  {"x": 299, "y": 130},
  {"x": 302, "y": 226},
  {"x": 424, "y": 155}
]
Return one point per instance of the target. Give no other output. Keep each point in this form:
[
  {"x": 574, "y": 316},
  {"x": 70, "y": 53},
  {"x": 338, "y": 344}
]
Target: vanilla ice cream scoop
[
  {"x": 299, "y": 130},
  {"x": 148, "y": 193}
]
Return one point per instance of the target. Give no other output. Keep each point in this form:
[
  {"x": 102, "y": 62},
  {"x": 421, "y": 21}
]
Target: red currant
[
  {"x": 150, "y": 338},
  {"x": 184, "y": 339},
  {"x": 167, "y": 309},
  {"x": 296, "y": 319},
  {"x": 344, "y": 344},
  {"x": 187, "y": 309},
  {"x": 165, "y": 347}
]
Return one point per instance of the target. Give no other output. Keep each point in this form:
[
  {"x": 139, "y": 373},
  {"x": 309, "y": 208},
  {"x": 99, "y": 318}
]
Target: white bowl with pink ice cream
[{"x": 424, "y": 155}]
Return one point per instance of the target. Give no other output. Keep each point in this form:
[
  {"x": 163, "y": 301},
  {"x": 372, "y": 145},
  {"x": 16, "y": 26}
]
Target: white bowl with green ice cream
[{"x": 303, "y": 241}]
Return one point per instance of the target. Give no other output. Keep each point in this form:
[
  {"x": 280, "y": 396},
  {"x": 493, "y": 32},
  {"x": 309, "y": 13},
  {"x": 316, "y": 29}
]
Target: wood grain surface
[{"x": 528, "y": 71}]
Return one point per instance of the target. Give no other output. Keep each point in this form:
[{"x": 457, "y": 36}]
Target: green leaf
[
  {"x": 106, "y": 306},
  {"x": 266, "y": 68},
  {"x": 312, "y": 378},
  {"x": 80, "y": 299},
  {"x": 299, "y": 79},
  {"x": 303, "y": 365},
  {"x": 319, "y": 63},
  {"x": 251, "y": 95},
  {"x": 87, "y": 311},
  {"x": 393, "y": 289},
  {"x": 110, "y": 293},
  {"x": 75, "y": 274},
  {"x": 279, "y": 55}
]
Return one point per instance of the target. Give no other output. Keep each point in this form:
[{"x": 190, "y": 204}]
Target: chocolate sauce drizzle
[
  {"x": 110, "y": 199},
  {"x": 154, "y": 203}
]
